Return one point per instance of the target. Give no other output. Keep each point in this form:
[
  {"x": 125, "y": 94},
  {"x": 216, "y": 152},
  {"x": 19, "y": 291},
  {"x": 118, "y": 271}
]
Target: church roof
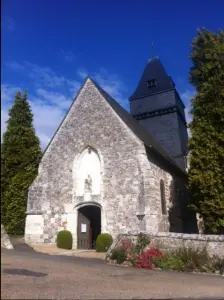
[
  {"x": 136, "y": 128},
  {"x": 139, "y": 130},
  {"x": 154, "y": 71}
]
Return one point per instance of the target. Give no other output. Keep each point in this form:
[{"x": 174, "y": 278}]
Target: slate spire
[{"x": 154, "y": 80}]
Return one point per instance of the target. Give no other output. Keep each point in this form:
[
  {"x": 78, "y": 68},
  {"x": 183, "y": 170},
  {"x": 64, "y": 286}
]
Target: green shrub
[
  {"x": 103, "y": 242},
  {"x": 64, "y": 239},
  {"x": 142, "y": 241},
  {"x": 185, "y": 259},
  {"x": 194, "y": 259},
  {"x": 119, "y": 255},
  {"x": 170, "y": 261}
]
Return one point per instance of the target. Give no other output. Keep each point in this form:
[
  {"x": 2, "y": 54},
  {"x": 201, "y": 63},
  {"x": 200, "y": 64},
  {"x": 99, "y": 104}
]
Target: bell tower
[{"x": 157, "y": 106}]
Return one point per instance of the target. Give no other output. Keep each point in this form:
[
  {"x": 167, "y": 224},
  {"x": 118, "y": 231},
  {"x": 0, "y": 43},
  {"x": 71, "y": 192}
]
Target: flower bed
[{"x": 143, "y": 255}]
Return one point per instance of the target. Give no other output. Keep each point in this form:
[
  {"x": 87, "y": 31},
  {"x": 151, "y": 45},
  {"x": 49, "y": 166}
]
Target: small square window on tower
[{"x": 151, "y": 83}]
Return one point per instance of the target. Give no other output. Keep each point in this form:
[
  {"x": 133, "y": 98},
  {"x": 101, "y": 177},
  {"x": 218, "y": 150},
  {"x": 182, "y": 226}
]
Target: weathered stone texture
[
  {"x": 5, "y": 240},
  {"x": 171, "y": 241},
  {"x": 117, "y": 147},
  {"x": 129, "y": 196}
]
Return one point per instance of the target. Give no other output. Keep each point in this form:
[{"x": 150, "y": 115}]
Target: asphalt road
[{"x": 26, "y": 274}]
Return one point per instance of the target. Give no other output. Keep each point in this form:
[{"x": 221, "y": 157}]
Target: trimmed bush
[
  {"x": 64, "y": 239},
  {"x": 103, "y": 242}
]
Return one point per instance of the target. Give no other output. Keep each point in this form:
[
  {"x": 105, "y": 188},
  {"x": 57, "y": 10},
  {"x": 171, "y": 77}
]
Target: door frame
[{"x": 83, "y": 204}]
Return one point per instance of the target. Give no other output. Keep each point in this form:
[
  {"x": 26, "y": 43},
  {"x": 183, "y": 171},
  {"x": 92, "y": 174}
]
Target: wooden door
[
  {"x": 90, "y": 238},
  {"x": 83, "y": 232}
]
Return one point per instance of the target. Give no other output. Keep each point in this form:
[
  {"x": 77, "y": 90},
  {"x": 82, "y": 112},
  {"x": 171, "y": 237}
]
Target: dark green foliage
[
  {"x": 103, "y": 242},
  {"x": 119, "y": 255},
  {"x": 207, "y": 129},
  {"x": 20, "y": 156},
  {"x": 64, "y": 239},
  {"x": 142, "y": 241}
]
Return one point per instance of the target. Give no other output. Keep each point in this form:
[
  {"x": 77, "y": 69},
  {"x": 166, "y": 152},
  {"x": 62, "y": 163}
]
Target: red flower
[{"x": 144, "y": 260}]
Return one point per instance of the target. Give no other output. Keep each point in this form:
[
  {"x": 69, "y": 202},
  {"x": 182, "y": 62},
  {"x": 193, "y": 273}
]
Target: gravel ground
[{"x": 63, "y": 277}]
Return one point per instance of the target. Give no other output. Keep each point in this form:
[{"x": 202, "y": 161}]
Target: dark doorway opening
[{"x": 89, "y": 226}]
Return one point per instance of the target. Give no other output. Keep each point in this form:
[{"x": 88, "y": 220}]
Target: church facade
[{"x": 107, "y": 170}]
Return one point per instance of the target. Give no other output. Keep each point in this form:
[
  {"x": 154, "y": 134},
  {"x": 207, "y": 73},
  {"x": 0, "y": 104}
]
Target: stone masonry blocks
[{"x": 129, "y": 181}]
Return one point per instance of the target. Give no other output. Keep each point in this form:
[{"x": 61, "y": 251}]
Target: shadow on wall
[{"x": 181, "y": 218}]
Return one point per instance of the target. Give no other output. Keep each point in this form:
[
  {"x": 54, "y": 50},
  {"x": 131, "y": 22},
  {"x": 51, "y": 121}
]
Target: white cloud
[
  {"x": 48, "y": 110},
  {"x": 68, "y": 56},
  {"x": 46, "y": 120},
  {"x": 8, "y": 23},
  {"x": 54, "y": 98},
  {"x": 82, "y": 73},
  {"x": 44, "y": 76},
  {"x": 15, "y": 66},
  {"x": 186, "y": 96},
  {"x": 52, "y": 95},
  {"x": 73, "y": 87},
  {"x": 111, "y": 83},
  {"x": 4, "y": 118},
  {"x": 187, "y": 114},
  {"x": 8, "y": 92}
]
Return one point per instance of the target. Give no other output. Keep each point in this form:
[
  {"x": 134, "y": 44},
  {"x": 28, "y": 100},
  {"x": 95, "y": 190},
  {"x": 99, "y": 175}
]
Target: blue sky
[{"x": 49, "y": 46}]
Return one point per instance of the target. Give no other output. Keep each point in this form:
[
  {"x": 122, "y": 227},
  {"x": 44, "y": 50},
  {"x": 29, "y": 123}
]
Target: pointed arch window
[
  {"x": 163, "y": 198},
  {"x": 88, "y": 173}
]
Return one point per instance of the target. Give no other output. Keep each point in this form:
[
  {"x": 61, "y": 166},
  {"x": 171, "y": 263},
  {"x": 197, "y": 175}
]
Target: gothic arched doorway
[{"x": 89, "y": 226}]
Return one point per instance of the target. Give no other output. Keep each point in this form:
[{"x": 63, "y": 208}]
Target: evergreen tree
[
  {"x": 206, "y": 174},
  {"x": 20, "y": 156}
]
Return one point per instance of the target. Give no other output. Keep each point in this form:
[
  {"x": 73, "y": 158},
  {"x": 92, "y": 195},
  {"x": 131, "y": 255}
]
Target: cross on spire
[{"x": 152, "y": 51}]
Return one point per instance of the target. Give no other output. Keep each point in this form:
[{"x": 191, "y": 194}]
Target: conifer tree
[
  {"x": 206, "y": 174},
  {"x": 20, "y": 156}
]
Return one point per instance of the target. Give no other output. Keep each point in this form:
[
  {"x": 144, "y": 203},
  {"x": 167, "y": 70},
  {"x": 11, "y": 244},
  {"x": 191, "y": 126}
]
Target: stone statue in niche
[
  {"x": 200, "y": 224},
  {"x": 88, "y": 185}
]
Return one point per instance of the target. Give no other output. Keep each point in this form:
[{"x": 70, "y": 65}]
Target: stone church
[{"x": 107, "y": 170}]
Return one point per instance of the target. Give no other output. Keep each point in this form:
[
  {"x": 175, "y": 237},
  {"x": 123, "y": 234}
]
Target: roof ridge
[
  {"x": 137, "y": 128},
  {"x": 134, "y": 126}
]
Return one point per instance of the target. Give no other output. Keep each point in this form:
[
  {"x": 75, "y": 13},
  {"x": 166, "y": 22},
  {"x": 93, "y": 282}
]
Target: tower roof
[
  {"x": 135, "y": 127},
  {"x": 154, "y": 80}
]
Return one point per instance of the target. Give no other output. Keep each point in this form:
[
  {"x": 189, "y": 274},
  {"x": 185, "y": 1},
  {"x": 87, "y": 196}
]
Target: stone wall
[
  {"x": 171, "y": 241},
  {"x": 5, "y": 241},
  {"x": 91, "y": 122},
  {"x": 126, "y": 177}
]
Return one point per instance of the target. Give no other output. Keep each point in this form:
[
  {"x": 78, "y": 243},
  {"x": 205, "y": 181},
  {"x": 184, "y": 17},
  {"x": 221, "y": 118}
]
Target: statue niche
[
  {"x": 88, "y": 174},
  {"x": 88, "y": 185}
]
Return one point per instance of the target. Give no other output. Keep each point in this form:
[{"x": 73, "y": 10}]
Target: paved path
[
  {"x": 68, "y": 277},
  {"x": 53, "y": 250},
  {"x": 20, "y": 245}
]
